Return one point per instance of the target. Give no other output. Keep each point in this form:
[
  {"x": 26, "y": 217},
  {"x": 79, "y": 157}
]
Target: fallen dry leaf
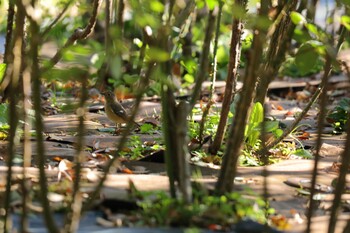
[
  {"x": 289, "y": 113},
  {"x": 304, "y": 136},
  {"x": 279, "y": 107},
  {"x": 126, "y": 171}
]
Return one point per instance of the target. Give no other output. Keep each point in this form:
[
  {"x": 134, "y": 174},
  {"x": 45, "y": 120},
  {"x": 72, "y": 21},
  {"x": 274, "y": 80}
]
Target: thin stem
[
  {"x": 286, "y": 132},
  {"x": 9, "y": 30},
  {"x": 27, "y": 151},
  {"x": 76, "y": 204},
  {"x": 123, "y": 140},
  {"x": 213, "y": 81},
  {"x": 204, "y": 61},
  {"x": 341, "y": 182},
  {"x": 79, "y": 34},
  {"x": 41, "y": 159},
  {"x": 58, "y": 17},
  {"x": 236, "y": 134},
  {"x": 231, "y": 79},
  {"x": 120, "y": 12},
  {"x": 320, "y": 124},
  {"x": 8, "y": 56},
  {"x": 13, "y": 74}
]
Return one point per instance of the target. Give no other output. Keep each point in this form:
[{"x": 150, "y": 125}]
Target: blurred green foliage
[
  {"x": 339, "y": 115},
  {"x": 159, "y": 209}
]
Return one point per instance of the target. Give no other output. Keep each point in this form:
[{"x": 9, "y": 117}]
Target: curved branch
[
  {"x": 79, "y": 34},
  {"x": 59, "y": 16}
]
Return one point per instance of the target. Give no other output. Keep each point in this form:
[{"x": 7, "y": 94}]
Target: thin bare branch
[
  {"x": 320, "y": 125},
  {"x": 13, "y": 74},
  {"x": 204, "y": 59},
  {"x": 9, "y": 31},
  {"x": 236, "y": 134},
  {"x": 73, "y": 217},
  {"x": 78, "y": 34},
  {"x": 119, "y": 14},
  {"x": 35, "y": 75},
  {"x": 8, "y": 56},
  {"x": 214, "y": 73},
  {"x": 27, "y": 147},
  {"x": 143, "y": 86},
  {"x": 231, "y": 79},
  {"x": 58, "y": 17}
]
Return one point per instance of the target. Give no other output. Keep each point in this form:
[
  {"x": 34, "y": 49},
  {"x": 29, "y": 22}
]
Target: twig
[
  {"x": 345, "y": 161},
  {"x": 347, "y": 69},
  {"x": 281, "y": 32},
  {"x": 119, "y": 14},
  {"x": 286, "y": 132},
  {"x": 13, "y": 73},
  {"x": 49, "y": 220},
  {"x": 168, "y": 102},
  {"x": 35, "y": 75},
  {"x": 123, "y": 140},
  {"x": 185, "y": 13},
  {"x": 27, "y": 148},
  {"x": 8, "y": 56},
  {"x": 231, "y": 79},
  {"x": 341, "y": 182},
  {"x": 9, "y": 30},
  {"x": 58, "y": 17},
  {"x": 78, "y": 34},
  {"x": 183, "y": 156},
  {"x": 215, "y": 63},
  {"x": 320, "y": 124},
  {"x": 236, "y": 133},
  {"x": 265, "y": 172},
  {"x": 73, "y": 217},
  {"x": 204, "y": 61}
]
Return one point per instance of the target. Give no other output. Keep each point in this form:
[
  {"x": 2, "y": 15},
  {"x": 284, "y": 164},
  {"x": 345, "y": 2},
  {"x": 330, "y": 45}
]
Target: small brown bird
[{"x": 114, "y": 110}]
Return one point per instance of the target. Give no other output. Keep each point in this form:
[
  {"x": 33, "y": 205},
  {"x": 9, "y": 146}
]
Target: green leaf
[
  {"x": 190, "y": 65},
  {"x": 303, "y": 153},
  {"x": 262, "y": 22},
  {"x": 345, "y": 21},
  {"x": 278, "y": 133},
  {"x": 130, "y": 78},
  {"x": 189, "y": 78},
  {"x": 200, "y": 4},
  {"x": 271, "y": 126},
  {"x": 306, "y": 58},
  {"x": 157, "y": 6},
  {"x": 313, "y": 29},
  {"x": 222, "y": 55},
  {"x": 345, "y": 104},
  {"x": 116, "y": 67},
  {"x": 157, "y": 54},
  {"x": 145, "y": 19},
  {"x": 255, "y": 118},
  {"x": 211, "y": 4},
  {"x": 2, "y": 71},
  {"x": 301, "y": 36},
  {"x": 297, "y": 18},
  {"x": 146, "y": 128}
]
